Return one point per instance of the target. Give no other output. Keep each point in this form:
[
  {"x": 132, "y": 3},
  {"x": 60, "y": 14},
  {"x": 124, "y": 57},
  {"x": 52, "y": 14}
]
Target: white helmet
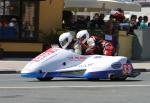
[
  {"x": 83, "y": 34},
  {"x": 65, "y": 39}
]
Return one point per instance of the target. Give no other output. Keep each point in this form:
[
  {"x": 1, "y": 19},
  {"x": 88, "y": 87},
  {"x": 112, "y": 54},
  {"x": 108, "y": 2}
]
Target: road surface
[{"x": 14, "y": 89}]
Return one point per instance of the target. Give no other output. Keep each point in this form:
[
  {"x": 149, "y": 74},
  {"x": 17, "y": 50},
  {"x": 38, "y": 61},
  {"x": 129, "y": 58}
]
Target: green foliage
[{"x": 49, "y": 38}]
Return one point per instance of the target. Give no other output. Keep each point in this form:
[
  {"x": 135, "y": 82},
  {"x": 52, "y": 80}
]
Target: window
[
  {"x": 9, "y": 7},
  {"x": 17, "y": 19},
  {"x": 28, "y": 20}
]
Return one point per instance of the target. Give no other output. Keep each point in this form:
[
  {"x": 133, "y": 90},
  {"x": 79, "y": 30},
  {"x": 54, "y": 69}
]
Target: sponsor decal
[
  {"x": 97, "y": 57},
  {"x": 86, "y": 65},
  {"x": 77, "y": 58},
  {"x": 45, "y": 54},
  {"x": 116, "y": 65}
]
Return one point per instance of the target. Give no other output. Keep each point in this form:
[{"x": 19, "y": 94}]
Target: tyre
[
  {"x": 45, "y": 79},
  {"x": 93, "y": 79},
  {"x": 114, "y": 78},
  {"x": 122, "y": 78}
]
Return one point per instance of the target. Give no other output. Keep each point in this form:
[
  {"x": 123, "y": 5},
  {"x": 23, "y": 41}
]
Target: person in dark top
[
  {"x": 73, "y": 24},
  {"x": 1, "y": 30},
  {"x": 95, "y": 23},
  {"x": 101, "y": 21},
  {"x": 81, "y": 23},
  {"x": 133, "y": 24},
  {"x": 140, "y": 18}
]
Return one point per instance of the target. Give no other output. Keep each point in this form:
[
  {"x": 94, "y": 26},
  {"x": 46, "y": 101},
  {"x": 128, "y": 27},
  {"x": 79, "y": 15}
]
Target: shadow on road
[{"x": 85, "y": 80}]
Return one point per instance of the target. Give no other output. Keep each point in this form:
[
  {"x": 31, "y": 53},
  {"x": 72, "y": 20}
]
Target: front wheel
[{"x": 45, "y": 79}]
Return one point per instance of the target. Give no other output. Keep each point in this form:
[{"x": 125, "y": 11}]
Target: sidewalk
[{"x": 14, "y": 65}]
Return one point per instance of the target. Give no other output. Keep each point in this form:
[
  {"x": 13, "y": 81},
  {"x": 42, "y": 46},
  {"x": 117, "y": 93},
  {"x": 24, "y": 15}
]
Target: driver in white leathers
[{"x": 66, "y": 41}]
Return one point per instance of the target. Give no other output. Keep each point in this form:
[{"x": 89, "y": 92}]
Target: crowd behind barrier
[{"x": 108, "y": 30}]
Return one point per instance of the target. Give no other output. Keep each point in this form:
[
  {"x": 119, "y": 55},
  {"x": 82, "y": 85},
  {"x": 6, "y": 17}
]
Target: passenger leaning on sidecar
[
  {"x": 96, "y": 45},
  {"x": 93, "y": 45}
]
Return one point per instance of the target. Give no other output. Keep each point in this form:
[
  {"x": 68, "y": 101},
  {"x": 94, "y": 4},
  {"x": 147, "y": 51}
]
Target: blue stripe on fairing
[
  {"x": 50, "y": 74},
  {"x": 103, "y": 74},
  {"x": 99, "y": 74}
]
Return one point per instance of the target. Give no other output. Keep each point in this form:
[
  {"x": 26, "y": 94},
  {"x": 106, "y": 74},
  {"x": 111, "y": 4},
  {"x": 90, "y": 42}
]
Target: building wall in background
[
  {"x": 144, "y": 3},
  {"x": 50, "y": 15}
]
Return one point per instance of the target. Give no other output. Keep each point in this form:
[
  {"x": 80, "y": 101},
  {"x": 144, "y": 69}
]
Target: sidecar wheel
[
  {"x": 114, "y": 78},
  {"x": 93, "y": 79},
  {"x": 45, "y": 79},
  {"x": 122, "y": 78}
]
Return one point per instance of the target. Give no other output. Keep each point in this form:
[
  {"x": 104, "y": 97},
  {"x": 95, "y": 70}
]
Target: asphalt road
[{"x": 14, "y": 89}]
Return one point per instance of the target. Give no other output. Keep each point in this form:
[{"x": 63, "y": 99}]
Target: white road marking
[{"x": 94, "y": 86}]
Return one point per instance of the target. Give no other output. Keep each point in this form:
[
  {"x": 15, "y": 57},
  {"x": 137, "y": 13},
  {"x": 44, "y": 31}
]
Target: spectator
[
  {"x": 149, "y": 24},
  {"x": 144, "y": 23},
  {"x": 101, "y": 21},
  {"x": 139, "y": 21},
  {"x": 73, "y": 24},
  {"x": 13, "y": 22},
  {"x": 111, "y": 31},
  {"x": 109, "y": 25},
  {"x": 9, "y": 31},
  {"x": 95, "y": 23},
  {"x": 1, "y": 29},
  {"x": 88, "y": 22},
  {"x": 133, "y": 24},
  {"x": 81, "y": 24},
  {"x": 119, "y": 15}
]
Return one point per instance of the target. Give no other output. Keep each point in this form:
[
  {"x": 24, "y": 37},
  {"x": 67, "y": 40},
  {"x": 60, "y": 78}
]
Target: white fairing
[{"x": 58, "y": 60}]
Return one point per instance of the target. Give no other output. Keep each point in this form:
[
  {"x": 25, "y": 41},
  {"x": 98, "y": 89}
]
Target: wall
[
  {"x": 50, "y": 14},
  {"x": 141, "y": 48},
  {"x": 21, "y": 47}
]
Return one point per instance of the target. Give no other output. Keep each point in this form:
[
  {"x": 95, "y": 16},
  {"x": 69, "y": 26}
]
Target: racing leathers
[
  {"x": 96, "y": 45},
  {"x": 80, "y": 48}
]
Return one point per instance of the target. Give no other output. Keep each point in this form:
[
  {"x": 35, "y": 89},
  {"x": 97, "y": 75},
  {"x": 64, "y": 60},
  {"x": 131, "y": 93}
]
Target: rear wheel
[
  {"x": 115, "y": 78},
  {"x": 122, "y": 78},
  {"x": 118, "y": 78},
  {"x": 45, "y": 79}
]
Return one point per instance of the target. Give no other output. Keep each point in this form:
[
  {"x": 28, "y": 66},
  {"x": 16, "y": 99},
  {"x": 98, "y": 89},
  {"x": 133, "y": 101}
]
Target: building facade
[
  {"x": 21, "y": 21},
  {"x": 144, "y": 3},
  {"x": 50, "y": 17}
]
